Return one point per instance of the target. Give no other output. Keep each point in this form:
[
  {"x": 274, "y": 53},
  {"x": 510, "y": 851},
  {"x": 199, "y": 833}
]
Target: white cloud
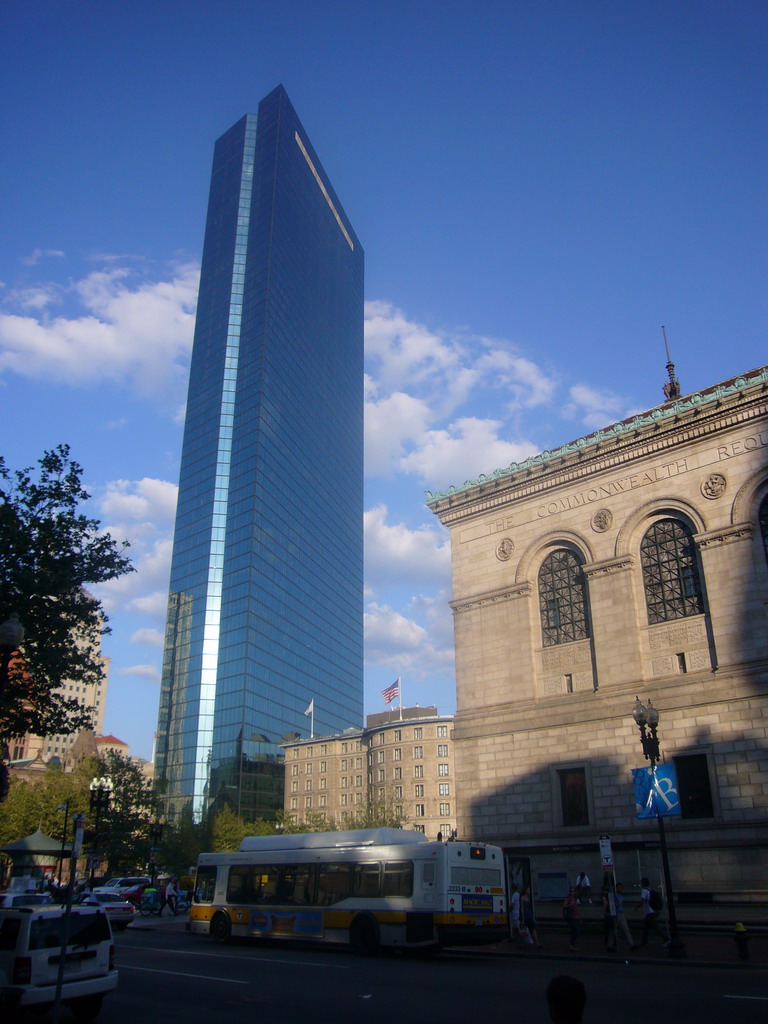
[
  {"x": 38, "y": 254},
  {"x": 148, "y": 637},
  {"x": 135, "y": 334},
  {"x": 594, "y": 408},
  {"x": 392, "y": 425},
  {"x": 463, "y": 451},
  {"x": 146, "y": 500},
  {"x": 143, "y": 671},
  {"x": 396, "y": 555},
  {"x": 401, "y": 643}
]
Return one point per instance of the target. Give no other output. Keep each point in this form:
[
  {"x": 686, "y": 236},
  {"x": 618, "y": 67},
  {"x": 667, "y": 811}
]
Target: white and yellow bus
[{"x": 370, "y": 888}]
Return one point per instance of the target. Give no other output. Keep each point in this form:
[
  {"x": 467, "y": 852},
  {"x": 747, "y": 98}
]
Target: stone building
[
  {"x": 402, "y": 764},
  {"x": 629, "y": 562}
]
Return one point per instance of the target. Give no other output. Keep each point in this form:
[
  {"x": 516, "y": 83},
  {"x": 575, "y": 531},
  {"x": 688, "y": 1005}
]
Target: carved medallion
[
  {"x": 505, "y": 549},
  {"x": 713, "y": 486},
  {"x": 601, "y": 520}
]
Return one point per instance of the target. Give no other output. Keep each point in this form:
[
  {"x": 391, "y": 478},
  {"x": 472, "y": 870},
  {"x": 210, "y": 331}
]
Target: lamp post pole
[
  {"x": 63, "y": 807},
  {"x": 101, "y": 794},
  {"x": 647, "y": 721}
]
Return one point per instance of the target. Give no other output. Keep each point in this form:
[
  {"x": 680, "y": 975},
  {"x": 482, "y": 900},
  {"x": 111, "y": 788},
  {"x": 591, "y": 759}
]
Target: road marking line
[
  {"x": 760, "y": 999},
  {"x": 230, "y": 956},
  {"x": 180, "y": 974}
]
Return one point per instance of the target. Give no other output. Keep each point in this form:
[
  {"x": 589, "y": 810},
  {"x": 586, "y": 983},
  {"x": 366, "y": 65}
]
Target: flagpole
[
  {"x": 400, "y": 695},
  {"x": 312, "y": 721}
]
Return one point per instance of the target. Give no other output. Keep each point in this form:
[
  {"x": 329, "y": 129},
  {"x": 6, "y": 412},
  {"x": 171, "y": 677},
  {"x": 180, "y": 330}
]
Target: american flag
[{"x": 391, "y": 692}]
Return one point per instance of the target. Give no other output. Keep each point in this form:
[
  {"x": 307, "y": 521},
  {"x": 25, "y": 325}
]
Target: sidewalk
[{"x": 706, "y": 932}]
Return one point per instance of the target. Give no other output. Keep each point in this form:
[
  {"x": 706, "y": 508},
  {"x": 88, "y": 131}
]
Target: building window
[
  {"x": 398, "y": 735},
  {"x": 343, "y": 799},
  {"x": 693, "y": 785},
  {"x": 344, "y": 764},
  {"x": 294, "y": 803},
  {"x": 418, "y": 771},
  {"x": 382, "y": 775},
  {"x": 418, "y": 828},
  {"x": 295, "y": 786},
  {"x": 295, "y": 770},
  {"x": 442, "y": 769},
  {"x": 309, "y": 751},
  {"x": 562, "y": 599},
  {"x": 444, "y": 789},
  {"x": 445, "y": 829},
  {"x": 358, "y": 762},
  {"x": 573, "y": 796},
  {"x": 763, "y": 520},
  {"x": 419, "y": 810},
  {"x": 358, "y": 780},
  {"x": 397, "y": 754},
  {"x": 418, "y": 733},
  {"x": 418, "y": 790},
  {"x": 344, "y": 782},
  {"x": 381, "y": 739},
  {"x": 398, "y": 792},
  {"x": 323, "y": 766},
  {"x": 323, "y": 783},
  {"x": 308, "y": 786},
  {"x": 418, "y": 753},
  {"x": 308, "y": 803},
  {"x": 381, "y": 757},
  {"x": 358, "y": 798},
  {"x": 398, "y": 773},
  {"x": 310, "y": 768},
  {"x": 445, "y": 808},
  {"x": 442, "y": 750},
  {"x": 343, "y": 748},
  {"x": 442, "y": 732},
  {"x": 670, "y": 572},
  {"x": 323, "y": 749},
  {"x": 323, "y": 800}
]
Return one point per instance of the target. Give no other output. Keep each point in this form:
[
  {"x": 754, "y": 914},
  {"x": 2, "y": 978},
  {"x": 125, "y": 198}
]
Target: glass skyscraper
[{"x": 265, "y": 607}]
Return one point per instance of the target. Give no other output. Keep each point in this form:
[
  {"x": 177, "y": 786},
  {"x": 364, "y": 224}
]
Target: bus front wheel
[
  {"x": 221, "y": 928},
  {"x": 364, "y": 936}
]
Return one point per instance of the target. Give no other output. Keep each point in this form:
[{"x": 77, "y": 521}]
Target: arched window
[
  {"x": 670, "y": 572},
  {"x": 562, "y": 599},
  {"x": 763, "y": 520}
]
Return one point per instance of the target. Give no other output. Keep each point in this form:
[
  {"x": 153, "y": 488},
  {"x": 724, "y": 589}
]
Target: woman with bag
[{"x": 571, "y": 915}]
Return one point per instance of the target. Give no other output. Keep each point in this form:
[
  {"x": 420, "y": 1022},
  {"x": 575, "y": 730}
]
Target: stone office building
[
  {"x": 631, "y": 562},
  {"x": 404, "y": 765}
]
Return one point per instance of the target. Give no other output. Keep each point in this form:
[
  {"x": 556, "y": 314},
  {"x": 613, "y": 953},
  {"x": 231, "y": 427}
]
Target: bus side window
[
  {"x": 268, "y": 876},
  {"x": 367, "y": 880},
  {"x": 239, "y": 884},
  {"x": 333, "y": 883},
  {"x": 428, "y": 875},
  {"x": 205, "y": 884},
  {"x": 398, "y": 878}
]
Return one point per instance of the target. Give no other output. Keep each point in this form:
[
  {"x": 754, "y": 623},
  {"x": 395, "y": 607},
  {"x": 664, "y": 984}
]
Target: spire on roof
[{"x": 672, "y": 388}]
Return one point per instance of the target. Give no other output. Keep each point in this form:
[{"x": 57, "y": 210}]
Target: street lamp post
[
  {"x": 63, "y": 807},
  {"x": 101, "y": 794},
  {"x": 647, "y": 721},
  {"x": 11, "y": 635},
  {"x": 155, "y": 838}
]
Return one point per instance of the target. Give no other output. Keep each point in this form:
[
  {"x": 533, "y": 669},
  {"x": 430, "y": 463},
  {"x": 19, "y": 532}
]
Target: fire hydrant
[{"x": 741, "y": 940}]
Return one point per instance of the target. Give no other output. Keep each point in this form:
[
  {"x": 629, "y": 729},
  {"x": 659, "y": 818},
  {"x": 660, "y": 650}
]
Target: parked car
[
  {"x": 30, "y": 952},
  {"x": 118, "y": 909},
  {"x": 25, "y": 899},
  {"x": 121, "y": 886}
]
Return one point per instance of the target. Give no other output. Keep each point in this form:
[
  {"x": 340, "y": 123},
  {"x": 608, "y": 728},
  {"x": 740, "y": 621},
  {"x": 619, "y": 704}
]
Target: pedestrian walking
[
  {"x": 571, "y": 916},
  {"x": 566, "y": 999},
  {"x": 170, "y": 896},
  {"x": 608, "y": 901},
  {"x": 527, "y": 916},
  {"x": 649, "y": 904},
  {"x": 583, "y": 887},
  {"x": 514, "y": 912},
  {"x": 621, "y": 921}
]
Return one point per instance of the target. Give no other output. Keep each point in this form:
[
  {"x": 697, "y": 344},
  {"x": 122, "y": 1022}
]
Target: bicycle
[{"x": 151, "y": 905}]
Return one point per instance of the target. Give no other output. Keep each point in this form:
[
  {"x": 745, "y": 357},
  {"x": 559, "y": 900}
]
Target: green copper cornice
[{"x": 696, "y": 400}]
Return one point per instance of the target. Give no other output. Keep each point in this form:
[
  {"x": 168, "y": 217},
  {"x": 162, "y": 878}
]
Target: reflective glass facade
[{"x": 265, "y": 610}]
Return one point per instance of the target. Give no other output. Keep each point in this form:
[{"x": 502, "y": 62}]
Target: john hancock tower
[{"x": 265, "y": 607}]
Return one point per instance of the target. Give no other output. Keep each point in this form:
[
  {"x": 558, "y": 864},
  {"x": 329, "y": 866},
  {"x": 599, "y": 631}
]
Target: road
[{"x": 171, "y": 976}]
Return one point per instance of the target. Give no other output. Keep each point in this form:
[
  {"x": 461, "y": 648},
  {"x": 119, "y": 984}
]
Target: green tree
[
  {"x": 49, "y": 552},
  {"x": 182, "y": 843},
  {"x": 131, "y": 811}
]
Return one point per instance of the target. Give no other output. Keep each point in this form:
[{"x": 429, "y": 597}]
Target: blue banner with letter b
[{"x": 656, "y": 793}]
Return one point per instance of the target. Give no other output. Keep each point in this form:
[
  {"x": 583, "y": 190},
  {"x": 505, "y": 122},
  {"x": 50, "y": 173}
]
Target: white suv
[{"x": 30, "y": 951}]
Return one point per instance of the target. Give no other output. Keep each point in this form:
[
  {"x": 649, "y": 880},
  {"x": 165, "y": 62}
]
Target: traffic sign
[{"x": 606, "y": 852}]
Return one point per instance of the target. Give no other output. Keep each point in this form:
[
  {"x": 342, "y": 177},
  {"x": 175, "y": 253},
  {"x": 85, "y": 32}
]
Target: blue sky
[{"x": 538, "y": 185}]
